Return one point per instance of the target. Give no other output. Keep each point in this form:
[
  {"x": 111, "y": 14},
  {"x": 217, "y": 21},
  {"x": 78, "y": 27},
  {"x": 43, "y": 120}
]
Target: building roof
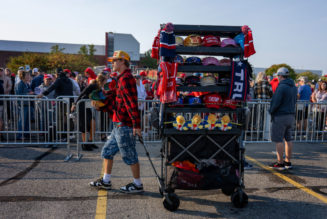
[
  {"x": 45, "y": 47},
  {"x": 125, "y": 42}
]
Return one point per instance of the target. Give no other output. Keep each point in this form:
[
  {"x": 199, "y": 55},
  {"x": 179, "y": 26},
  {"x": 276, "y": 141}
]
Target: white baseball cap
[
  {"x": 282, "y": 72},
  {"x": 35, "y": 70}
]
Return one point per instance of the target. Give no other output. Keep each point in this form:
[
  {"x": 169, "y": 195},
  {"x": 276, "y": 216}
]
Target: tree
[
  {"x": 311, "y": 76},
  {"x": 92, "y": 50},
  {"x": 83, "y": 51},
  {"x": 49, "y": 62},
  {"x": 33, "y": 59},
  {"x": 148, "y": 62},
  {"x": 88, "y": 52},
  {"x": 56, "y": 49},
  {"x": 273, "y": 69}
]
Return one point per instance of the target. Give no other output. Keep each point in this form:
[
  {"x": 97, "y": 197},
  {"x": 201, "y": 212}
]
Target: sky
[{"x": 289, "y": 31}]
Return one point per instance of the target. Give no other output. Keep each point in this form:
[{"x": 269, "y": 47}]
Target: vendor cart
[{"x": 203, "y": 158}]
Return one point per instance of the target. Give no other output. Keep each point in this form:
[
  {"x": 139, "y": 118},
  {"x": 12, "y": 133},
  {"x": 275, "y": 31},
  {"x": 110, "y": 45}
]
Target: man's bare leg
[
  {"x": 280, "y": 151},
  {"x": 288, "y": 151},
  {"x": 136, "y": 170},
  {"x": 108, "y": 164}
]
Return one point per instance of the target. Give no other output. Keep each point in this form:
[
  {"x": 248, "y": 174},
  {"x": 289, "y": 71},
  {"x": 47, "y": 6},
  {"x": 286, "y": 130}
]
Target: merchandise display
[
  {"x": 211, "y": 40},
  {"x": 210, "y": 61},
  {"x": 193, "y": 61},
  {"x": 228, "y": 43},
  {"x": 193, "y": 40},
  {"x": 202, "y": 128}
]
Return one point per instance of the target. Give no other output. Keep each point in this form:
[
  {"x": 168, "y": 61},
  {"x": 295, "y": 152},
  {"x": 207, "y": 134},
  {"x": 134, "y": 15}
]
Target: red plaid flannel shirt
[{"x": 126, "y": 111}]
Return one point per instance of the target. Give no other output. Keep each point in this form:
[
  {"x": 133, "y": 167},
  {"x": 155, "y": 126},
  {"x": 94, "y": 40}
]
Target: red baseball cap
[
  {"x": 67, "y": 70},
  {"x": 210, "y": 61},
  {"x": 114, "y": 74},
  {"x": 212, "y": 100},
  {"x": 107, "y": 70},
  {"x": 230, "y": 103},
  {"x": 143, "y": 73},
  {"x": 211, "y": 40},
  {"x": 225, "y": 62},
  {"x": 47, "y": 76},
  {"x": 146, "y": 82}
]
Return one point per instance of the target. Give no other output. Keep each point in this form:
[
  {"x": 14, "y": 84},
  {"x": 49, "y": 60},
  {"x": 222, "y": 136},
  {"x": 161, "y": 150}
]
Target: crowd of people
[
  {"x": 263, "y": 88},
  {"x": 64, "y": 82}
]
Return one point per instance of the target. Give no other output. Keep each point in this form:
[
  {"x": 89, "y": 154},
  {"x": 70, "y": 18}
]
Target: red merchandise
[
  {"x": 143, "y": 73},
  {"x": 167, "y": 86},
  {"x": 92, "y": 75},
  {"x": 107, "y": 70},
  {"x": 67, "y": 70},
  {"x": 155, "y": 46},
  {"x": 248, "y": 41},
  {"x": 211, "y": 40},
  {"x": 149, "y": 95},
  {"x": 230, "y": 103},
  {"x": 212, "y": 100},
  {"x": 274, "y": 84}
]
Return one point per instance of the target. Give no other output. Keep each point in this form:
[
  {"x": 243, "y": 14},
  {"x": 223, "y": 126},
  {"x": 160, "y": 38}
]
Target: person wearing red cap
[
  {"x": 89, "y": 73},
  {"x": 143, "y": 75},
  {"x": 274, "y": 83}
]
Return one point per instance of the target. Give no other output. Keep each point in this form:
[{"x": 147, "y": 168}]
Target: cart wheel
[
  {"x": 228, "y": 190},
  {"x": 171, "y": 202},
  {"x": 239, "y": 198},
  {"x": 160, "y": 191}
]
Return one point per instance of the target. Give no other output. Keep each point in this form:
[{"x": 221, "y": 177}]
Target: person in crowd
[
  {"x": 141, "y": 93},
  {"x": 87, "y": 123},
  {"x": 320, "y": 97},
  {"x": 126, "y": 118},
  {"x": 251, "y": 90},
  {"x": 282, "y": 110},
  {"x": 262, "y": 91},
  {"x": 304, "y": 94},
  {"x": 76, "y": 88},
  {"x": 46, "y": 116},
  {"x": 24, "y": 88},
  {"x": 312, "y": 86},
  {"x": 18, "y": 76},
  {"x": 12, "y": 76},
  {"x": 143, "y": 75},
  {"x": 262, "y": 88},
  {"x": 89, "y": 73},
  {"x": 47, "y": 82},
  {"x": 38, "y": 79},
  {"x": 81, "y": 80},
  {"x": 7, "y": 84},
  {"x": 148, "y": 90},
  {"x": 2, "y": 91},
  {"x": 34, "y": 73},
  {"x": 274, "y": 83},
  {"x": 63, "y": 86}
]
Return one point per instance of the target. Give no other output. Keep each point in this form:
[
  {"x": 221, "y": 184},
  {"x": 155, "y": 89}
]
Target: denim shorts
[{"x": 121, "y": 139}]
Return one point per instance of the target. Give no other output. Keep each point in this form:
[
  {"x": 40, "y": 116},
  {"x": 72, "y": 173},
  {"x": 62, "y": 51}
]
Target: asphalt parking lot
[{"x": 36, "y": 183}]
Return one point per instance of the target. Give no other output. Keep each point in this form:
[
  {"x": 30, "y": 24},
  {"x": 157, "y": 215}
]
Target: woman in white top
[{"x": 320, "y": 96}]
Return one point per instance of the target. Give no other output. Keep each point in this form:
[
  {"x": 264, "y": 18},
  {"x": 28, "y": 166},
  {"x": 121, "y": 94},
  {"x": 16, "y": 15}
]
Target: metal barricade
[
  {"x": 91, "y": 126},
  {"x": 149, "y": 133},
  {"x": 310, "y": 122},
  {"x": 31, "y": 121}
]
